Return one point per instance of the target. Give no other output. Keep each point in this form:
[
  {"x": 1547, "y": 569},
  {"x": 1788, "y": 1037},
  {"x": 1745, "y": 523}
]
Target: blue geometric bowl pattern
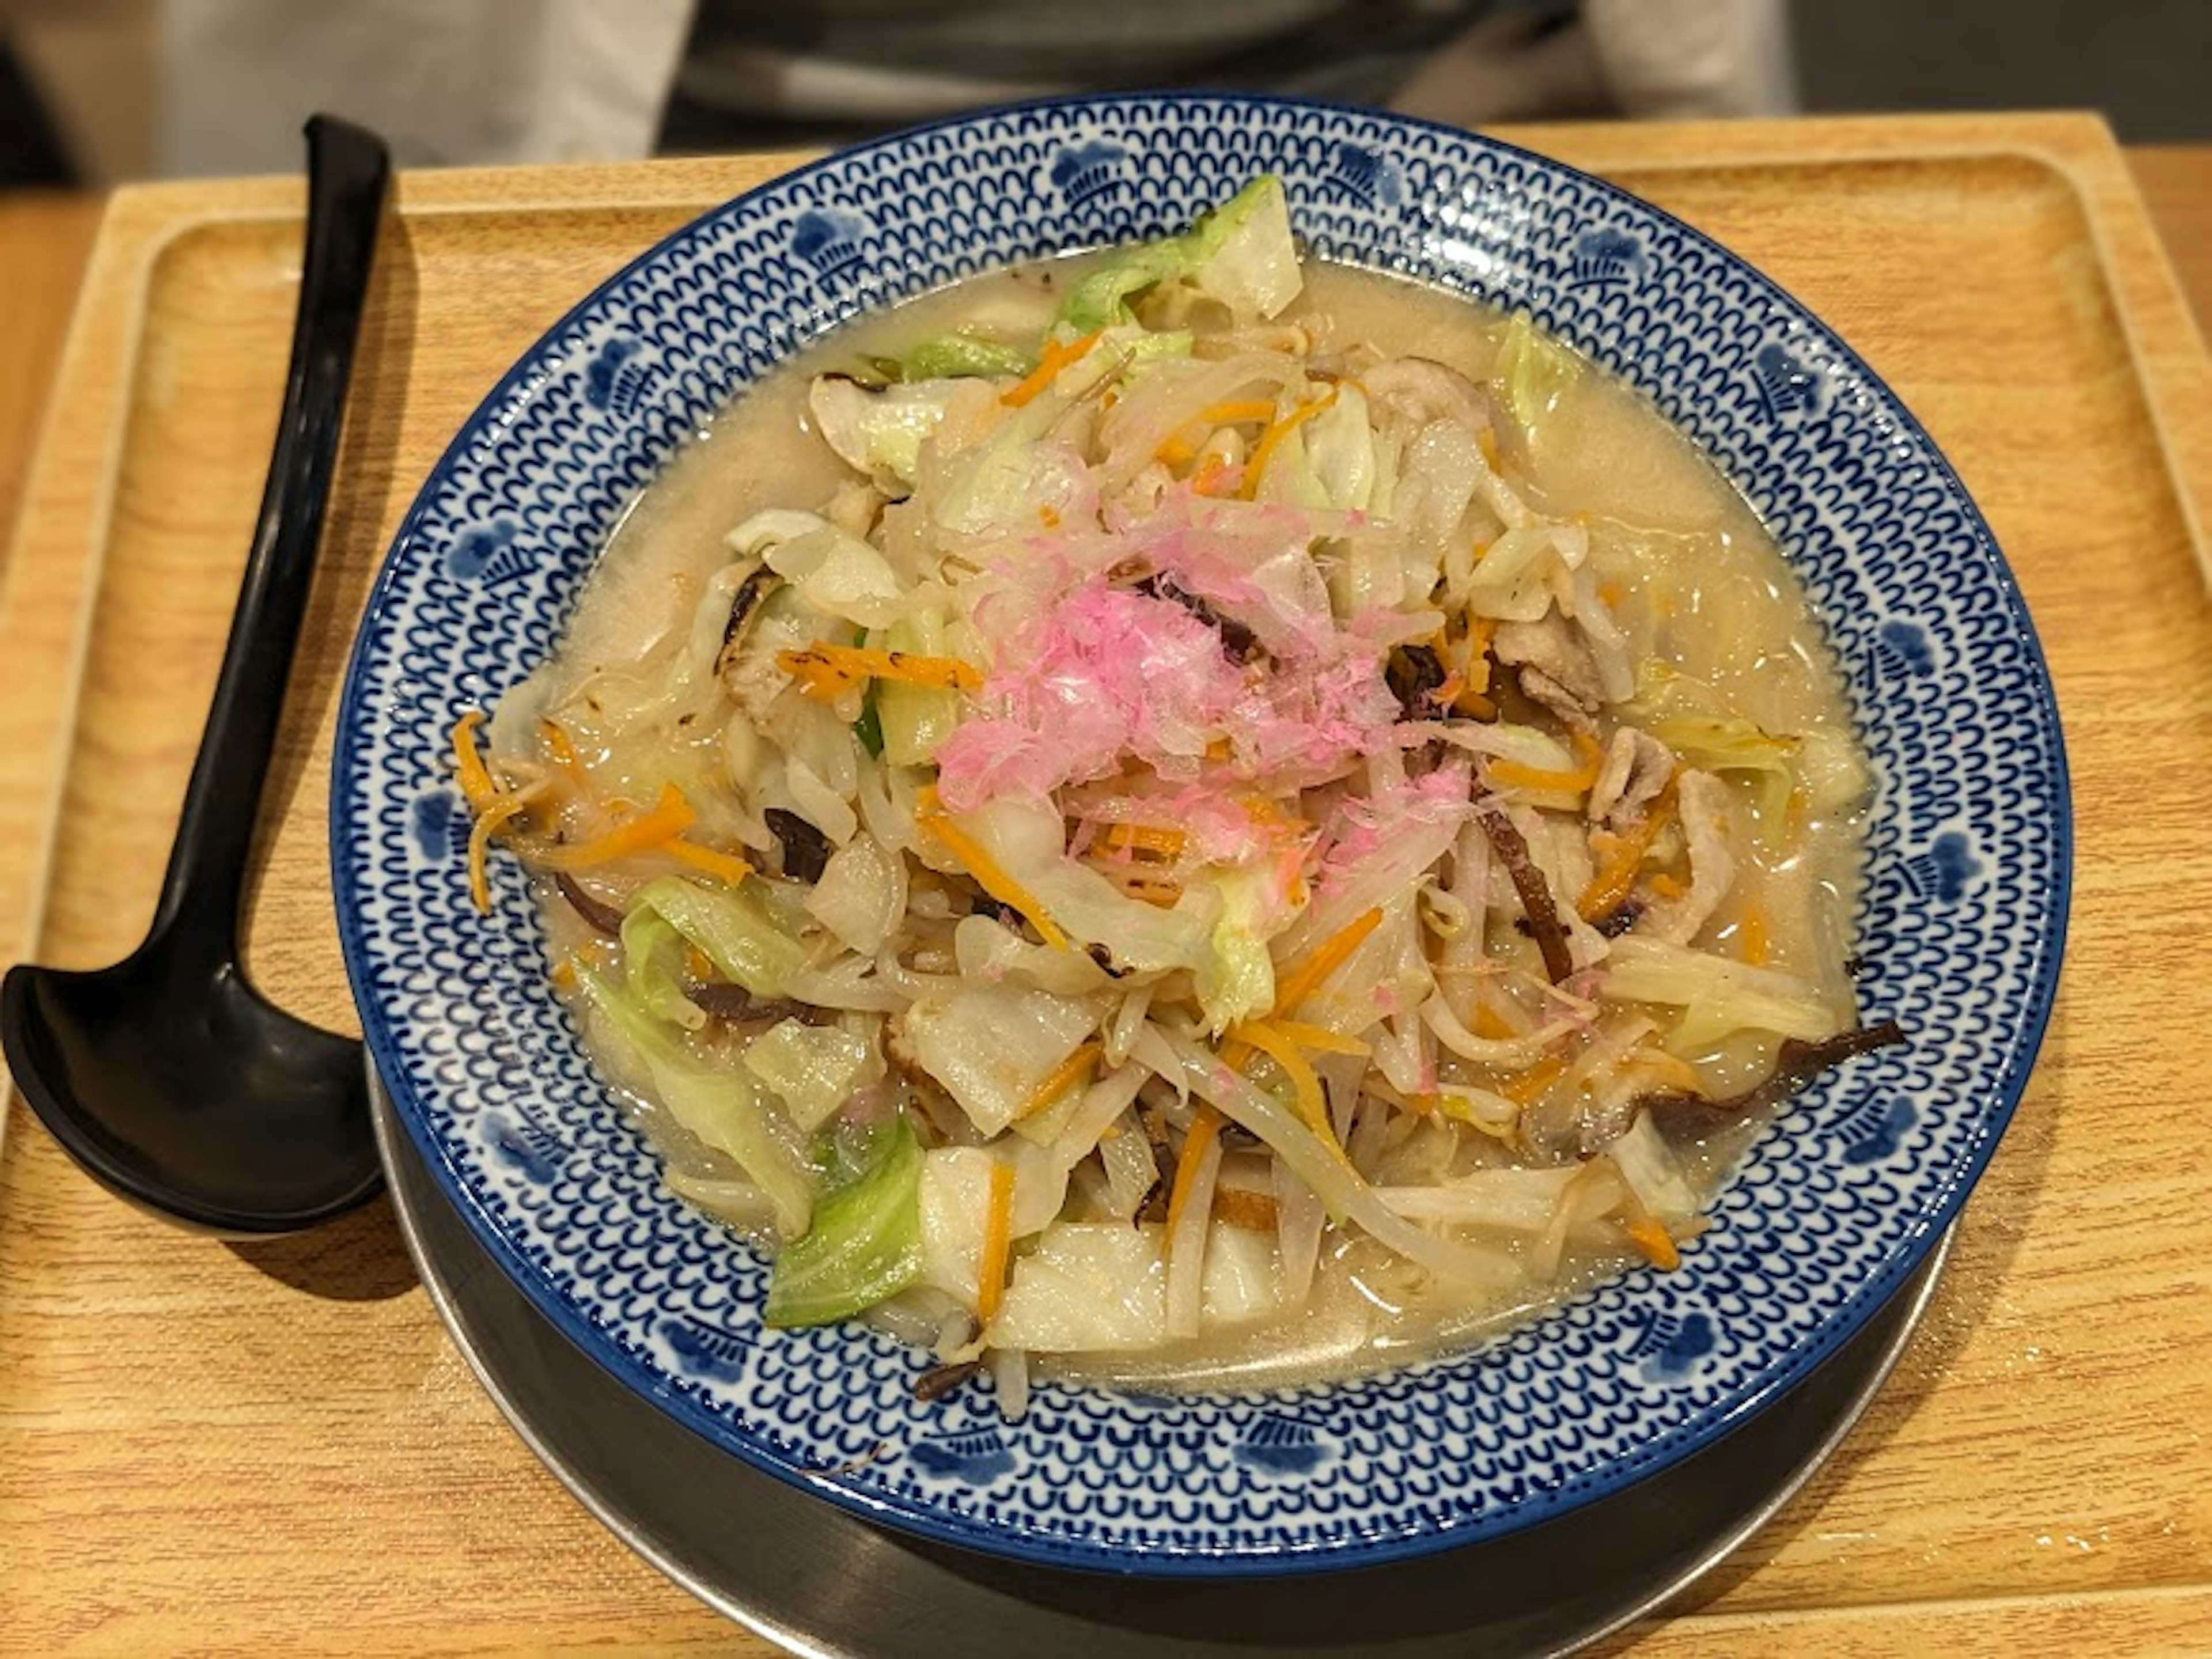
[{"x": 1961, "y": 924}]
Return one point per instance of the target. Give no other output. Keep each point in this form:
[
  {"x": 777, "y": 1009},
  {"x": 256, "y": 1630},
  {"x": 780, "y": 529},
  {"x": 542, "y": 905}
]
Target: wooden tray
[{"x": 272, "y": 1447}]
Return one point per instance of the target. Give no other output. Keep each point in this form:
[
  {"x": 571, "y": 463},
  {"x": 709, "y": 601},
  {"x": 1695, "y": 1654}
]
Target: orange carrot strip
[
  {"x": 1524, "y": 1088},
  {"x": 1751, "y": 939},
  {"x": 1648, "y": 1233},
  {"x": 1242, "y": 411},
  {"x": 1511, "y": 775},
  {"x": 669, "y": 816},
  {"x": 1609, "y": 884},
  {"x": 1305, "y": 1083},
  {"x": 1263, "y": 451},
  {"x": 1479, "y": 632},
  {"x": 998, "y": 1239},
  {"x": 1323, "y": 960},
  {"x": 564, "y": 750},
  {"x": 1489, "y": 1023},
  {"x": 469, "y": 768},
  {"x": 1062, "y": 1078},
  {"x": 1056, "y": 356},
  {"x": 990, "y": 874},
  {"x": 1204, "y": 1126},
  {"x": 824, "y": 671},
  {"x": 728, "y": 866},
  {"x": 491, "y": 818}
]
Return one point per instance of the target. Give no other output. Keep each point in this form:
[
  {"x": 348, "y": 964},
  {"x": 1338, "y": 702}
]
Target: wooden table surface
[{"x": 273, "y": 1448}]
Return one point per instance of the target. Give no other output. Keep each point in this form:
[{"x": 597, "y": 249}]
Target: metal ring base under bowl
[{"x": 820, "y": 1581}]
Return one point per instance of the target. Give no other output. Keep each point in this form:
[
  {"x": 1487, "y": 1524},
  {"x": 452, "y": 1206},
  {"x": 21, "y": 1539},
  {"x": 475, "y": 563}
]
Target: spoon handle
[{"x": 201, "y": 892}]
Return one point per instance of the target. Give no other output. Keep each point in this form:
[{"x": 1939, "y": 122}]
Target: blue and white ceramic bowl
[{"x": 1960, "y": 927}]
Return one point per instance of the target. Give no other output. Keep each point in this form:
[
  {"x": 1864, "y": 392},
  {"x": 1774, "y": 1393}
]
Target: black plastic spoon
[{"x": 168, "y": 1077}]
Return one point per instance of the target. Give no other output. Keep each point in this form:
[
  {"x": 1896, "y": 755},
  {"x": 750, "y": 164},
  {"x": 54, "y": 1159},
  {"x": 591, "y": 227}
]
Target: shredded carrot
[
  {"x": 1512, "y": 775},
  {"x": 1752, "y": 943},
  {"x": 1619, "y": 860},
  {"x": 1277, "y": 431},
  {"x": 1533, "y": 1082},
  {"x": 469, "y": 768},
  {"x": 1322, "y": 960},
  {"x": 825, "y": 671},
  {"x": 1313, "y": 1105},
  {"x": 1648, "y": 1233},
  {"x": 671, "y": 816},
  {"x": 1183, "y": 447},
  {"x": 1062, "y": 1078},
  {"x": 1612, "y": 593},
  {"x": 490, "y": 819},
  {"x": 1056, "y": 356},
  {"x": 563, "y": 975},
  {"x": 1480, "y": 630},
  {"x": 998, "y": 1238},
  {"x": 697, "y": 962},
  {"x": 1490, "y": 1024},
  {"x": 726, "y": 866},
  {"x": 563, "y": 748},
  {"x": 1204, "y": 1126},
  {"x": 1319, "y": 1038},
  {"x": 1243, "y": 412},
  {"x": 491, "y": 807},
  {"x": 1488, "y": 444},
  {"x": 1048, "y": 516},
  {"x": 1666, "y": 886},
  {"x": 990, "y": 874}
]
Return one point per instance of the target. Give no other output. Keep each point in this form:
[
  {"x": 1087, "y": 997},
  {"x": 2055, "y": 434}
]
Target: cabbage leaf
[
  {"x": 865, "y": 1244},
  {"x": 1240, "y": 253},
  {"x": 719, "y": 1105}
]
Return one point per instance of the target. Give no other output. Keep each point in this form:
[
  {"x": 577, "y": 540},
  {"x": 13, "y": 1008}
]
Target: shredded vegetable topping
[{"x": 1197, "y": 833}]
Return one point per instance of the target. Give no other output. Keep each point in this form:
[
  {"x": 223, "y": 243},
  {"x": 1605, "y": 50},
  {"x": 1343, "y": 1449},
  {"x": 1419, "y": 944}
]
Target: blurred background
[{"x": 96, "y": 92}]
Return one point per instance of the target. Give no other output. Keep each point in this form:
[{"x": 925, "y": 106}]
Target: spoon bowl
[
  {"x": 185, "y": 1090},
  {"x": 168, "y": 1077}
]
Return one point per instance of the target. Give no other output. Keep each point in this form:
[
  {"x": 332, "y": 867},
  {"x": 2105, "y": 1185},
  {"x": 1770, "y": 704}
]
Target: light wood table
[{"x": 273, "y": 1448}]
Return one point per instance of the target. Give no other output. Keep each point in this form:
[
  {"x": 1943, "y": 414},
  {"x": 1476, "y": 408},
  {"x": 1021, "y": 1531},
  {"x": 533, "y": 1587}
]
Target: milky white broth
[{"x": 1675, "y": 541}]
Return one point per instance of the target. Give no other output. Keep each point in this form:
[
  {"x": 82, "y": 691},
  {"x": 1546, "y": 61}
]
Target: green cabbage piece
[
  {"x": 651, "y": 947},
  {"x": 730, "y": 926},
  {"x": 960, "y": 356},
  {"x": 1530, "y": 372},
  {"x": 1241, "y": 253},
  {"x": 1237, "y": 977},
  {"x": 864, "y": 1245},
  {"x": 720, "y": 1106},
  {"x": 913, "y": 720}
]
